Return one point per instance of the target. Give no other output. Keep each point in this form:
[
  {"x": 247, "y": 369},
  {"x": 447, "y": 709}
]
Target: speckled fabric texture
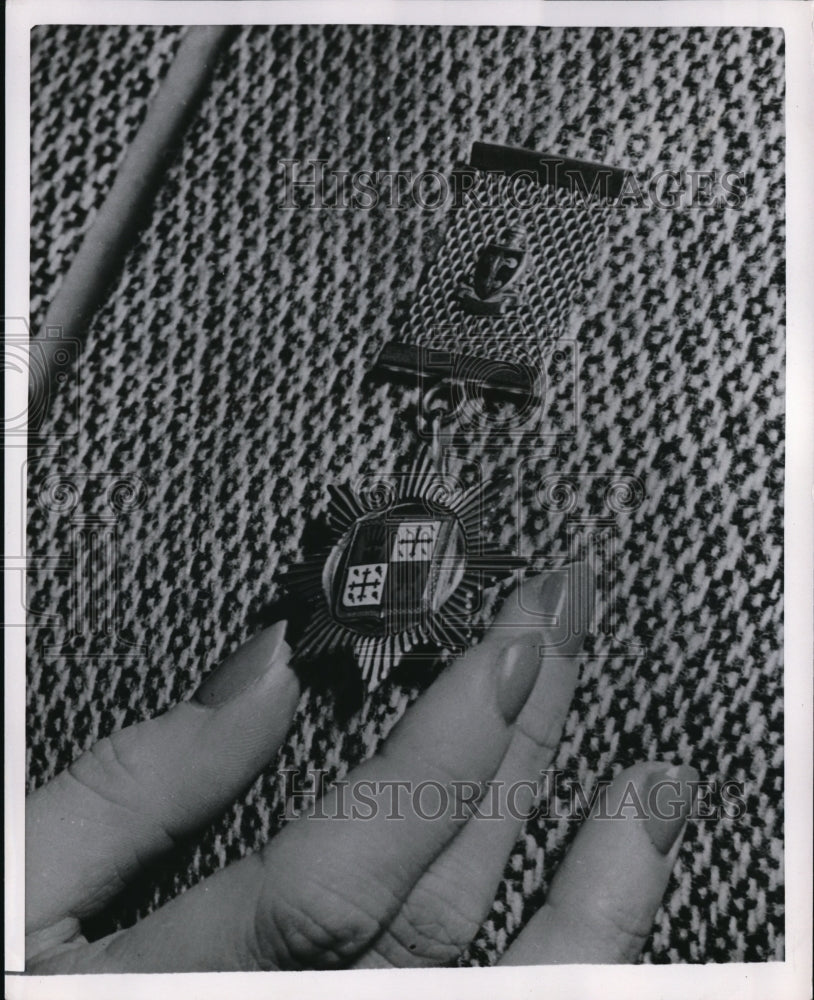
[{"x": 222, "y": 388}]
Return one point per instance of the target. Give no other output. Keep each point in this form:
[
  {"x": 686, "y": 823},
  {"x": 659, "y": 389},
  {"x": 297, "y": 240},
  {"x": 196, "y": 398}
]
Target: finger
[
  {"x": 325, "y": 888},
  {"x": 134, "y": 793},
  {"x": 604, "y": 898},
  {"x": 452, "y": 898}
]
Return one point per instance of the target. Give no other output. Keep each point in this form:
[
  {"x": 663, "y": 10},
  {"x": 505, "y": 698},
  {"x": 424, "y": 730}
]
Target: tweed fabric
[{"x": 221, "y": 389}]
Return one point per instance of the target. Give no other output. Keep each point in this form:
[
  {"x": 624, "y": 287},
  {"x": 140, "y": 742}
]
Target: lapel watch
[{"x": 408, "y": 555}]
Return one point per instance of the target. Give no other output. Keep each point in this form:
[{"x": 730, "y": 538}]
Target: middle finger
[{"x": 324, "y": 889}]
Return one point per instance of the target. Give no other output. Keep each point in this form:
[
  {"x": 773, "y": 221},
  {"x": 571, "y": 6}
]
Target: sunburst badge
[{"x": 404, "y": 569}]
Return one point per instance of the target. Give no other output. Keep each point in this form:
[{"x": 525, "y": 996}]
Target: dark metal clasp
[{"x": 464, "y": 375}]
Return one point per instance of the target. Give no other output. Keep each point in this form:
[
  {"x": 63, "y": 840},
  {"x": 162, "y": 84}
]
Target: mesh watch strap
[{"x": 558, "y": 208}]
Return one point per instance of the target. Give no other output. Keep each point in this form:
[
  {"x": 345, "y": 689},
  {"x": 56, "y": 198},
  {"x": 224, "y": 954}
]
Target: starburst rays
[{"x": 447, "y": 626}]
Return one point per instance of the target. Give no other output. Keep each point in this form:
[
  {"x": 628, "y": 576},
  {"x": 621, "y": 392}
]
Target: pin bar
[
  {"x": 513, "y": 380},
  {"x": 580, "y": 176}
]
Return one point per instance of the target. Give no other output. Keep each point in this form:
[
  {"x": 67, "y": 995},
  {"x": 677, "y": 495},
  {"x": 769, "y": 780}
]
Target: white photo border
[{"x": 790, "y": 978}]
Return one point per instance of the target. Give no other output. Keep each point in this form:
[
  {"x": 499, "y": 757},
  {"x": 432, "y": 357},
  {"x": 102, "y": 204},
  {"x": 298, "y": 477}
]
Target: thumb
[{"x": 133, "y": 794}]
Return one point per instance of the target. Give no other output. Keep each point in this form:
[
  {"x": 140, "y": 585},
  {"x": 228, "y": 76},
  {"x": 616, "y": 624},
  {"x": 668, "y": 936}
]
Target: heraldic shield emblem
[
  {"x": 405, "y": 568},
  {"x": 395, "y": 568}
]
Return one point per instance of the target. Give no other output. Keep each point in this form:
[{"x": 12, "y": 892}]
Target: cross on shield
[{"x": 393, "y": 564}]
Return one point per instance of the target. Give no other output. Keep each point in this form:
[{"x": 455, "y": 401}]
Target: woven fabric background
[{"x": 221, "y": 390}]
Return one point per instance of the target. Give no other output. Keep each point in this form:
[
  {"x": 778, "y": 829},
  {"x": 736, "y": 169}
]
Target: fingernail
[
  {"x": 518, "y": 670},
  {"x": 550, "y": 594},
  {"x": 669, "y": 794},
  {"x": 263, "y": 653},
  {"x": 548, "y": 591},
  {"x": 533, "y": 597}
]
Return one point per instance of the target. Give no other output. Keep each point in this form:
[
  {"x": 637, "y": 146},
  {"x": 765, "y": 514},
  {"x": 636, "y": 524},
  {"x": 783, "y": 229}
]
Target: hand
[{"x": 345, "y": 892}]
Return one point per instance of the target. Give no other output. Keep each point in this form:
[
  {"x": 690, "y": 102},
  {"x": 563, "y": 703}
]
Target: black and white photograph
[{"x": 409, "y": 569}]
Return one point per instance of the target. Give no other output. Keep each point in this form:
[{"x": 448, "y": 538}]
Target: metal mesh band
[{"x": 563, "y": 228}]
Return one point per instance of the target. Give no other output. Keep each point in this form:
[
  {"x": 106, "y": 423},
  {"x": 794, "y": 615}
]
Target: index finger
[{"x": 324, "y": 889}]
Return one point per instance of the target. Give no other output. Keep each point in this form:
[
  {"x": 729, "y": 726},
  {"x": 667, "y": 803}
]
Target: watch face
[{"x": 394, "y": 569}]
